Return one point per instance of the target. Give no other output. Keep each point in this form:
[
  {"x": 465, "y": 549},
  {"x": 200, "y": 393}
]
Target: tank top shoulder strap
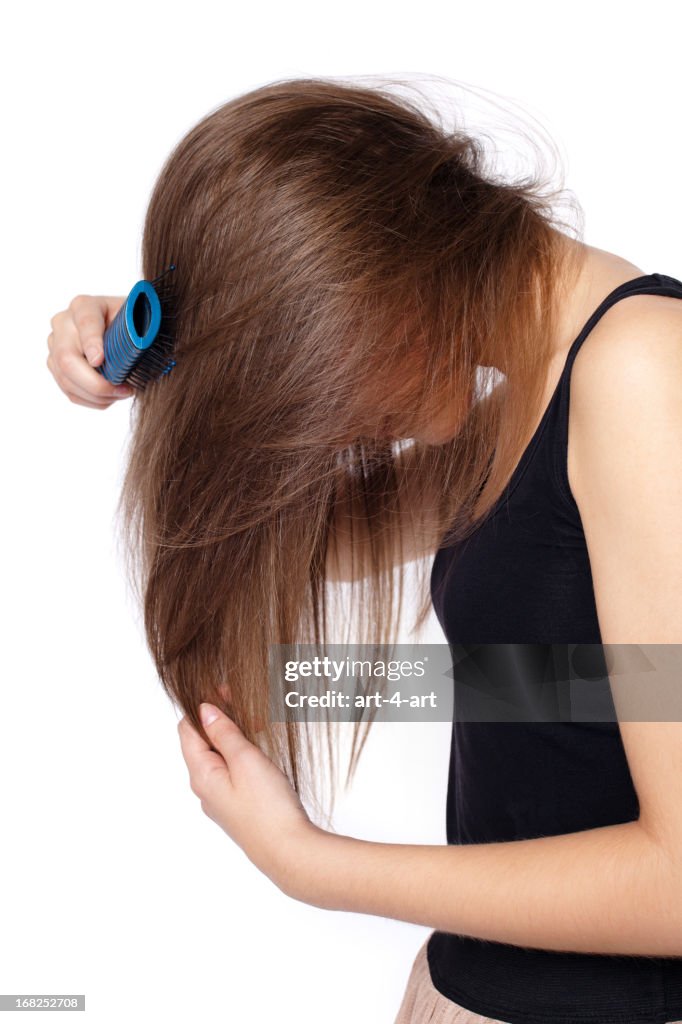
[{"x": 646, "y": 284}]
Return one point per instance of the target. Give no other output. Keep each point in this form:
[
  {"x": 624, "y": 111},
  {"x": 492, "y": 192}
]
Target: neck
[
  {"x": 584, "y": 286},
  {"x": 588, "y": 275}
]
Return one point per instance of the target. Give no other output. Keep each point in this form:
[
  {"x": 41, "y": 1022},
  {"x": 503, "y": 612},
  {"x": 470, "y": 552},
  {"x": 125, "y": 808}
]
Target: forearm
[{"x": 605, "y": 890}]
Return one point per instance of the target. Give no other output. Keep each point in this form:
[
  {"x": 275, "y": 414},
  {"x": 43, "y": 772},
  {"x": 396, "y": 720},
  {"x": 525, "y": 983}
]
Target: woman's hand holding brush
[{"x": 76, "y": 347}]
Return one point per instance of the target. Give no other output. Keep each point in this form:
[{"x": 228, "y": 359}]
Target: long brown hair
[{"x": 344, "y": 264}]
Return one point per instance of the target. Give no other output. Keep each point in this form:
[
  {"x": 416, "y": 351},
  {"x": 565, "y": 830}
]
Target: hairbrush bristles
[{"x": 139, "y": 342}]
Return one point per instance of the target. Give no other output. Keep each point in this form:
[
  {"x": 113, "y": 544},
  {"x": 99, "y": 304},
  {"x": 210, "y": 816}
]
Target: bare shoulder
[
  {"x": 626, "y": 390},
  {"x": 638, "y": 339},
  {"x": 625, "y": 468}
]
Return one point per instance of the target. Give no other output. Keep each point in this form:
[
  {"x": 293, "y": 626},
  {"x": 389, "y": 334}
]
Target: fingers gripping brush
[{"x": 138, "y": 343}]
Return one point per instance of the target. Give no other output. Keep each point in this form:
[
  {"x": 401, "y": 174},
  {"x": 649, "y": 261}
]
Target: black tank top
[{"x": 523, "y": 577}]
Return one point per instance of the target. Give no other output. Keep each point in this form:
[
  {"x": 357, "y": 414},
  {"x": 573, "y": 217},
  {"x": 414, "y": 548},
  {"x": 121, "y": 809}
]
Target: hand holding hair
[{"x": 239, "y": 787}]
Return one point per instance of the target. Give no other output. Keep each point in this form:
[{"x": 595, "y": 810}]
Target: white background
[{"x": 112, "y": 881}]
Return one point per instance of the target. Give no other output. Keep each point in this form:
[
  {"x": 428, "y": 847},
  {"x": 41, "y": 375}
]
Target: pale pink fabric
[{"x": 423, "y": 1004}]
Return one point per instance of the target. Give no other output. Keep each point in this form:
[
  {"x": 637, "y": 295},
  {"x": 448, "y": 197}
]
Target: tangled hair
[{"x": 346, "y": 267}]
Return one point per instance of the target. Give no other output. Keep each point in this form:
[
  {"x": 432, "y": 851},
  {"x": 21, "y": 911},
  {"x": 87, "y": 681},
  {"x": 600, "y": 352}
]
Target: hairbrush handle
[{"x": 131, "y": 332}]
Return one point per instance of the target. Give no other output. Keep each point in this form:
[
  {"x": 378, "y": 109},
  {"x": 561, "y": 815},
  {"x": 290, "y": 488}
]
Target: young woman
[{"x": 351, "y": 275}]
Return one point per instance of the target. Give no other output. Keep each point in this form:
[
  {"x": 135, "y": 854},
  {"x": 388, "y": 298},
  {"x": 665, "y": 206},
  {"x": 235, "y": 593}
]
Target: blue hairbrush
[{"x": 139, "y": 341}]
